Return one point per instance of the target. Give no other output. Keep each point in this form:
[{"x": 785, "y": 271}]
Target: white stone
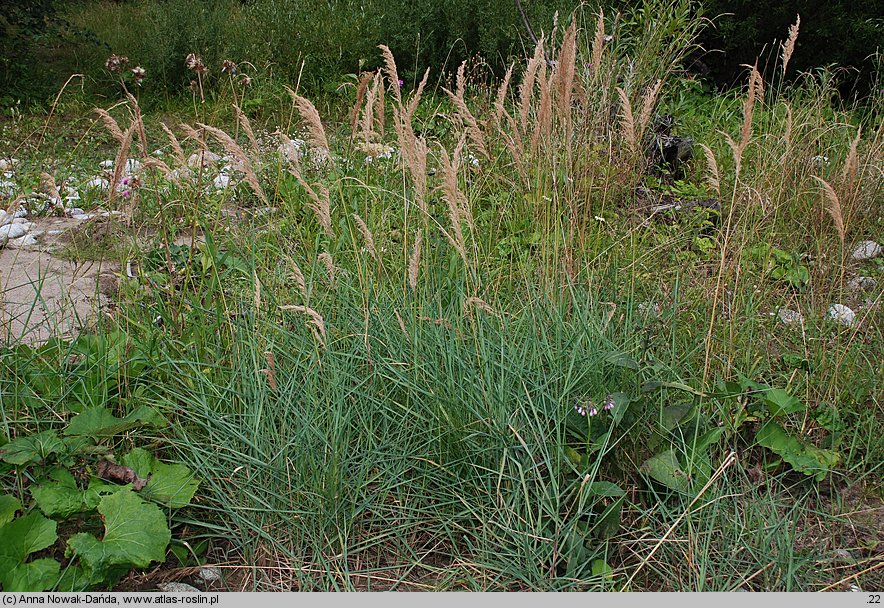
[
  {"x": 54, "y": 232},
  {"x": 5, "y": 218},
  {"x": 292, "y": 150},
  {"x": 842, "y": 314},
  {"x": 7, "y": 188},
  {"x": 28, "y": 240},
  {"x": 862, "y": 283},
  {"x": 13, "y": 231},
  {"x": 788, "y": 316},
  {"x": 19, "y": 220},
  {"x": 98, "y": 182},
  {"x": 8, "y": 164},
  {"x": 107, "y": 164},
  {"x": 222, "y": 181},
  {"x": 158, "y": 153},
  {"x": 81, "y": 217},
  {"x": 177, "y": 588},
  {"x": 867, "y": 250},
  {"x": 210, "y": 575},
  {"x": 132, "y": 166},
  {"x": 22, "y": 212}
]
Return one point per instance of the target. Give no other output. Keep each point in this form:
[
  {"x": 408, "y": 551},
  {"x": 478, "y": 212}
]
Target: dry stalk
[
  {"x": 233, "y": 148},
  {"x": 315, "y": 130},
  {"x": 321, "y": 205},
  {"x": 499, "y": 109},
  {"x": 472, "y": 127},
  {"x": 627, "y": 122},
  {"x": 47, "y": 183},
  {"x": 195, "y": 136},
  {"x": 315, "y": 318},
  {"x": 366, "y": 236},
  {"x": 565, "y": 70},
  {"x": 120, "y": 162},
  {"x": 368, "y": 113},
  {"x": 460, "y": 81},
  {"x": 270, "y": 370},
  {"x": 833, "y": 206},
  {"x": 297, "y": 276},
  {"x": 176, "y": 147},
  {"x": 526, "y": 90},
  {"x": 110, "y": 124},
  {"x": 848, "y": 174},
  {"x": 415, "y": 261},
  {"x": 247, "y": 127},
  {"x": 361, "y": 88},
  {"x": 789, "y": 46},
  {"x": 416, "y": 97},
  {"x": 453, "y": 196},
  {"x": 392, "y": 73},
  {"x": 475, "y": 303},
  {"x": 711, "y": 169},
  {"x": 598, "y": 43},
  {"x": 380, "y": 109},
  {"x": 649, "y": 102},
  {"x": 139, "y": 123},
  {"x": 326, "y": 259}
]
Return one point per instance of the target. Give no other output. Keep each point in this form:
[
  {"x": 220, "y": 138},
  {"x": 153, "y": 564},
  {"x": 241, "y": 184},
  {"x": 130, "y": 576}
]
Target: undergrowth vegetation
[{"x": 479, "y": 337}]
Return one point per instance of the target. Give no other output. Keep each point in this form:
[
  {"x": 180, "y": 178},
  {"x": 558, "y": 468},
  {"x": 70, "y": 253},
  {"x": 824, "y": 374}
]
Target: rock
[
  {"x": 132, "y": 166},
  {"x": 22, "y": 242},
  {"x": 842, "y": 314},
  {"x": 81, "y": 217},
  {"x": 177, "y": 588},
  {"x": 22, "y": 212},
  {"x": 72, "y": 211},
  {"x": 14, "y": 231},
  {"x": 209, "y": 575},
  {"x": 5, "y": 218},
  {"x": 8, "y": 164},
  {"x": 222, "y": 181},
  {"x": 99, "y": 183},
  {"x": 203, "y": 158},
  {"x": 862, "y": 283},
  {"x": 7, "y": 188},
  {"x": 867, "y": 250},
  {"x": 789, "y": 316},
  {"x": 106, "y": 164},
  {"x": 292, "y": 150}
]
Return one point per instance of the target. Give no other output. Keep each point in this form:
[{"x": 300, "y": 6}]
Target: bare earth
[{"x": 42, "y": 295}]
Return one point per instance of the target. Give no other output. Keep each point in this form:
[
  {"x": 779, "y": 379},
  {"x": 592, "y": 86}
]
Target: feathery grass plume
[
  {"x": 326, "y": 259},
  {"x": 47, "y": 183},
  {"x": 135, "y": 109},
  {"x": 247, "y": 127},
  {"x": 499, "y": 108},
  {"x": 737, "y": 150},
  {"x": 833, "y": 206},
  {"x": 156, "y": 163},
  {"x": 315, "y": 318},
  {"x": 472, "y": 126},
  {"x": 476, "y": 303},
  {"x": 297, "y": 276},
  {"x": 416, "y": 96},
  {"x": 565, "y": 70},
  {"x": 110, "y": 124},
  {"x": 543, "y": 122},
  {"x": 120, "y": 162},
  {"x": 380, "y": 109},
  {"x": 177, "y": 150},
  {"x": 417, "y": 166},
  {"x": 756, "y": 90},
  {"x": 321, "y": 205},
  {"x": 526, "y": 90},
  {"x": 366, "y": 236},
  {"x": 239, "y": 154},
  {"x": 195, "y": 136},
  {"x": 627, "y": 122},
  {"x": 453, "y": 196},
  {"x": 368, "y": 112},
  {"x": 315, "y": 131},
  {"x": 598, "y": 43},
  {"x": 649, "y": 102},
  {"x": 789, "y": 46},
  {"x": 392, "y": 73},
  {"x": 361, "y": 88},
  {"x": 460, "y": 82},
  {"x": 848, "y": 174},
  {"x": 415, "y": 261},
  {"x": 711, "y": 169}
]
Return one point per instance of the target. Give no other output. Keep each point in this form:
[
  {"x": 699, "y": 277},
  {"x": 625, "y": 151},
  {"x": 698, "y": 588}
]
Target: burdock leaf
[
  {"x": 170, "y": 484},
  {"x": 59, "y": 497},
  {"x": 31, "y": 448},
  {"x": 136, "y": 534}
]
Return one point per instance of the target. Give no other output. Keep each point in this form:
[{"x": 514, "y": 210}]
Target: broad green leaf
[
  {"x": 666, "y": 469},
  {"x": 673, "y": 415},
  {"x": 605, "y": 489},
  {"x": 608, "y": 523},
  {"x": 780, "y": 402},
  {"x": 31, "y": 448},
  {"x": 136, "y": 534},
  {"x": 803, "y": 457},
  {"x": 18, "y": 539},
  {"x": 706, "y": 439},
  {"x": 171, "y": 484},
  {"x": 621, "y": 359},
  {"x": 98, "y": 489},
  {"x": 100, "y": 421},
  {"x": 8, "y": 506},
  {"x": 60, "y": 497},
  {"x": 601, "y": 568},
  {"x": 573, "y": 455},
  {"x": 38, "y": 575}
]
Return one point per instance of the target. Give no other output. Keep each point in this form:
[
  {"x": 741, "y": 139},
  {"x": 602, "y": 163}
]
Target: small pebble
[
  {"x": 788, "y": 316},
  {"x": 22, "y": 242},
  {"x": 210, "y": 575},
  {"x": 842, "y": 314},
  {"x": 867, "y": 250},
  {"x": 177, "y": 588},
  {"x": 862, "y": 283}
]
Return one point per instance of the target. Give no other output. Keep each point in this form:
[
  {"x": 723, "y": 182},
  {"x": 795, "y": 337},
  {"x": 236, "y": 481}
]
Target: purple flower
[
  {"x": 609, "y": 403},
  {"x": 401, "y": 83},
  {"x": 580, "y": 409}
]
